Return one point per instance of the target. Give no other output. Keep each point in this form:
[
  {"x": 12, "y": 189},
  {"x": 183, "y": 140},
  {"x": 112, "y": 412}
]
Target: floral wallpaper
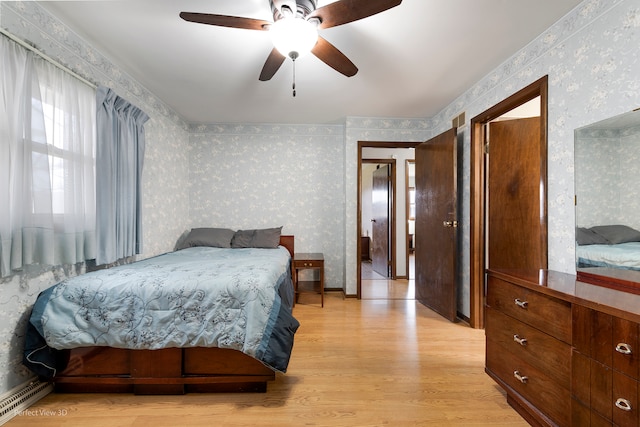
[
  {"x": 261, "y": 176},
  {"x": 605, "y": 164},
  {"x": 304, "y": 177},
  {"x": 630, "y": 174}
]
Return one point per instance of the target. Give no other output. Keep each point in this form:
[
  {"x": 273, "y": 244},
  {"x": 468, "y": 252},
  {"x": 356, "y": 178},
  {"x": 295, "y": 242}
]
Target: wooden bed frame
[{"x": 165, "y": 371}]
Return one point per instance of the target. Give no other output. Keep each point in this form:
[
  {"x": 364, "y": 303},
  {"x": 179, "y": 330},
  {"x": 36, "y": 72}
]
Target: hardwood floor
[
  {"x": 355, "y": 363},
  {"x": 375, "y": 286},
  {"x": 386, "y": 289}
]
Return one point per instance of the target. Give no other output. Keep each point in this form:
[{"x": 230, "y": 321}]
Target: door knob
[
  {"x": 450, "y": 224},
  {"x": 373, "y": 220}
]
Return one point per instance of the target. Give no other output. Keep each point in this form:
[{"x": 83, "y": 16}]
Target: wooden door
[
  {"x": 436, "y": 248},
  {"x": 380, "y": 227},
  {"x": 515, "y": 210}
]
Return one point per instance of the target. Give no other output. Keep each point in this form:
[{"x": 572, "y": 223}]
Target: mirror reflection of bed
[{"x": 607, "y": 154}]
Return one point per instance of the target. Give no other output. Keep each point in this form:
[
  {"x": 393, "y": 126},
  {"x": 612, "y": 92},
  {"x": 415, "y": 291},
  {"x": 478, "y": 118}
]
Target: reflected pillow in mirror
[
  {"x": 585, "y": 236},
  {"x": 616, "y": 234}
]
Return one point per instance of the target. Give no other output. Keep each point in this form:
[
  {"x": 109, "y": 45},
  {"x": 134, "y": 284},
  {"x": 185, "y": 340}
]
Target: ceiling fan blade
[
  {"x": 226, "y": 21},
  {"x": 345, "y": 11},
  {"x": 331, "y": 56},
  {"x": 273, "y": 63}
]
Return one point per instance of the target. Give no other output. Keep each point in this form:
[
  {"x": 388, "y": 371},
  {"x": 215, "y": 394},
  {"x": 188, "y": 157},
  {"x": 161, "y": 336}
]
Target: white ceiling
[{"x": 413, "y": 60}]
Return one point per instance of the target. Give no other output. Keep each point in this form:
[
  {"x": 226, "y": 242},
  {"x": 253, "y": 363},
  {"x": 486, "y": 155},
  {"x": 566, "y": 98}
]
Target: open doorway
[
  {"x": 378, "y": 219},
  {"x": 410, "y": 217},
  {"x": 491, "y": 215},
  {"x": 396, "y": 283}
]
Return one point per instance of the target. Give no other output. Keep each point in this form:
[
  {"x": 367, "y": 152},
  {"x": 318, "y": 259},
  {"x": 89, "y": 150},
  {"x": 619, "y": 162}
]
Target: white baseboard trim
[{"x": 19, "y": 398}]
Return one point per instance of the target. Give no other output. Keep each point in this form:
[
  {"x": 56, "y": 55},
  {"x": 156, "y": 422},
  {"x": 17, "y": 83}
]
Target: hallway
[{"x": 376, "y": 287}]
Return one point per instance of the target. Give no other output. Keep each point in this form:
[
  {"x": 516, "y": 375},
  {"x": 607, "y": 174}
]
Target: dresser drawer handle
[
  {"x": 521, "y": 304},
  {"x": 522, "y": 378},
  {"x": 623, "y": 348},
  {"x": 623, "y": 404},
  {"x": 521, "y": 341}
]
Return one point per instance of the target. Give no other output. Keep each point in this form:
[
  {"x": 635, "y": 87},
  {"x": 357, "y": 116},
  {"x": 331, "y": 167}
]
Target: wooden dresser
[{"x": 565, "y": 352}]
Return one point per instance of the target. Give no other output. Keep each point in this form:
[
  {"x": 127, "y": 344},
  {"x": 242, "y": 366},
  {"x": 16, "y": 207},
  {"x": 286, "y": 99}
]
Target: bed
[
  {"x": 204, "y": 318},
  {"x": 610, "y": 246}
]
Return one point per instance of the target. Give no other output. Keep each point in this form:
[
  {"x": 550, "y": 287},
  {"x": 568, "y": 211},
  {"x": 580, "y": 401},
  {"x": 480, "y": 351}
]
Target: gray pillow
[
  {"x": 180, "y": 242},
  {"x": 586, "y": 236},
  {"x": 214, "y": 237},
  {"x": 616, "y": 234},
  {"x": 267, "y": 238},
  {"x": 242, "y": 239}
]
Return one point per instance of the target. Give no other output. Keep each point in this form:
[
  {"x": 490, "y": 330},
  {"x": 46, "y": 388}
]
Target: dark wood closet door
[
  {"x": 515, "y": 216},
  {"x": 436, "y": 248}
]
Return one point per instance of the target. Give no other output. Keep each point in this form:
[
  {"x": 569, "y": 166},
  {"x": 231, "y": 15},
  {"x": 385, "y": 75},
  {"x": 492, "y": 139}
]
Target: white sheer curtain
[{"x": 47, "y": 163}]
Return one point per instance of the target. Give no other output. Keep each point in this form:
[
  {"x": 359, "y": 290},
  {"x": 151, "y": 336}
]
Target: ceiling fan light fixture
[{"x": 294, "y": 37}]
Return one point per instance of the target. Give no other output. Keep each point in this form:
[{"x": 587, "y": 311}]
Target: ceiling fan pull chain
[{"x": 293, "y": 86}]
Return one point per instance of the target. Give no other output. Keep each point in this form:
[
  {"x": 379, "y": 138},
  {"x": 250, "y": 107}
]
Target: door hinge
[{"x": 486, "y": 148}]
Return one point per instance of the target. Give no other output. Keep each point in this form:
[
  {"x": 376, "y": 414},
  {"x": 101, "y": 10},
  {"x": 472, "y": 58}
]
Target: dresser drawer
[
  {"x": 609, "y": 393},
  {"x": 582, "y": 416},
  {"x": 545, "y": 313},
  {"x": 610, "y": 340},
  {"x": 626, "y": 353},
  {"x": 540, "y": 350},
  {"x": 533, "y": 384},
  {"x": 308, "y": 263},
  {"x": 625, "y": 400}
]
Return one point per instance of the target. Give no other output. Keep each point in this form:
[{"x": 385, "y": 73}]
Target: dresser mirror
[{"x": 607, "y": 189}]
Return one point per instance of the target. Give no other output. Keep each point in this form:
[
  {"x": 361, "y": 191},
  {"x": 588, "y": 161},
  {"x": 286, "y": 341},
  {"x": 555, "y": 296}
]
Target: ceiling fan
[{"x": 295, "y": 28}]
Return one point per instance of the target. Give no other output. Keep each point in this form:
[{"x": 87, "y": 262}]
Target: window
[
  {"x": 63, "y": 159},
  {"x": 412, "y": 203},
  {"x": 47, "y": 138}
]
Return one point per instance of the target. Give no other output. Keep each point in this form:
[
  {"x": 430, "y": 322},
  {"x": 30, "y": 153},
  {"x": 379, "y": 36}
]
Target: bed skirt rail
[{"x": 165, "y": 371}]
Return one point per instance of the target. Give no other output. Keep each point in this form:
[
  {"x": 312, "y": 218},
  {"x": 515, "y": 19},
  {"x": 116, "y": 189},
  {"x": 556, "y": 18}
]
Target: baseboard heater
[{"x": 19, "y": 398}]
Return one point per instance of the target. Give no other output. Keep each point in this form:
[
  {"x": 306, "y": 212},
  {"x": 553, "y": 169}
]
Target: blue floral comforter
[{"x": 196, "y": 297}]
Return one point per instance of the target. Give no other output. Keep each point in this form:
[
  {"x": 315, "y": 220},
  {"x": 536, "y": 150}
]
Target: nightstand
[{"x": 309, "y": 261}]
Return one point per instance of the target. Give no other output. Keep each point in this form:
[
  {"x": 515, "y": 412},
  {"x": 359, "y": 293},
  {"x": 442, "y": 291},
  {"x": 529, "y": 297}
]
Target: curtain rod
[{"x": 46, "y": 57}]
